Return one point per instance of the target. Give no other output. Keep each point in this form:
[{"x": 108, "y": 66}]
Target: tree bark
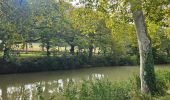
[
  {"x": 48, "y": 49},
  {"x": 90, "y": 51},
  {"x": 147, "y": 74},
  {"x": 72, "y": 49},
  {"x": 65, "y": 48},
  {"x": 168, "y": 52},
  {"x": 6, "y": 55},
  {"x": 43, "y": 46},
  {"x": 26, "y": 48}
]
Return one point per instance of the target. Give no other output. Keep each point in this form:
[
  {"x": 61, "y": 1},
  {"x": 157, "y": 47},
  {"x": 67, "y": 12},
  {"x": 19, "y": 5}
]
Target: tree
[
  {"x": 87, "y": 21},
  {"x": 10, "y": 27},
  {"x": 147, "y": 74},
  {"x": 153, "y": 11},
  {"x": 47, "y": 17}
]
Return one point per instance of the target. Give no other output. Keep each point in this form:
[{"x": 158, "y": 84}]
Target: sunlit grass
[
  {"x": 37, "y": 47},
  {"x": 32, "y": 54}
]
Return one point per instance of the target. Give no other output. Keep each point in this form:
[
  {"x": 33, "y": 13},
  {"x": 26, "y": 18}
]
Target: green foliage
[
  {"x": 39, "y": 92},
  {"x": 38, "y": 62},
  {"x": 164, "y": 76},
  {"x": 150, "y": 72},
  {"x": 103, "y": 25},
  {"x": 97, "y": 90},
  {"x": 162, "y": 85},
  {"x": 124, "y": 90}
]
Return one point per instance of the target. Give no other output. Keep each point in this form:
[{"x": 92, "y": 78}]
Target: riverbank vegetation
[
  {"x": 103, "y": 89},
  {"x": 43, "y": 63},
  {"x": 125, "y": 90}
]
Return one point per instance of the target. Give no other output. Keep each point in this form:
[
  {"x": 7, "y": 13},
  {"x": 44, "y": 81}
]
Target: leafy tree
[{"x": 10, "y": 27}]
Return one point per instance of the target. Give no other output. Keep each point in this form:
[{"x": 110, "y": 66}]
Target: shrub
[
  {"x": 98, "y": 90},
  {"x": 162, "y": 82},
  {"x": 128, "y": 60},
  {"x": 164, "y": 76}
]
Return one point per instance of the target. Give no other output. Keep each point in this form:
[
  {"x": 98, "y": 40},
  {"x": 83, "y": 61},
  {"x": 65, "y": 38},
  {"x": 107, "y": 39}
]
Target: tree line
[{"x": 107, "y": 27}]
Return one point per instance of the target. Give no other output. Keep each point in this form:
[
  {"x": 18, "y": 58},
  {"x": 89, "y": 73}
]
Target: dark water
[{"x": 24, "y": 86}]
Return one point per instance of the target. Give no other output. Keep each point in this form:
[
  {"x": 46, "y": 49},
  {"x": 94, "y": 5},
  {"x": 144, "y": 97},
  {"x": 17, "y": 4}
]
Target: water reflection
[
  {"x": 30, "y": 91},
  {"x": 25, "y": 86}
]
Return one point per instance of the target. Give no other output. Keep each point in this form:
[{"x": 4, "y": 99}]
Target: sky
[{"x": 76, "y": 3}]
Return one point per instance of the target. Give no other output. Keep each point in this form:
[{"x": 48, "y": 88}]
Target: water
[{"x": 24, "y": 86}]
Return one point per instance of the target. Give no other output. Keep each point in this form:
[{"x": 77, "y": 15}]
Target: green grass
[
  {"x": 167, "y": 97},
  {"x": 32, "y": 54},
  {"x": 98, "y": 90}
]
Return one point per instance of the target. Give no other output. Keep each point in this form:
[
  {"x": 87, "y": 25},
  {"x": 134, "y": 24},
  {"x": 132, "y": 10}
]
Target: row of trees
[
  {"x": 53, "y": 24},
  {"x": 107, "y": 26}
]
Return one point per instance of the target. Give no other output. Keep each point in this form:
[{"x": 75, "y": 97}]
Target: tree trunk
[
  {"x": 90, "y": 51},
  {"x": 65, "y": 48},
  {"x": 58, "y": 49},
  {"x": 168, "y": 52},
  {"x": 6, "y": 55},
  {"x": 48, "y": 49},
  {"x": 98, "y": 51},
  {"x": 95, "y": 51},
  {"x": 104, "y": 51},
  {"x": 147, "y": 74},
  {"x": 72, "y": 49},
  {"x": 26, "y": 48},
  {"x": 42, "y": 48}
]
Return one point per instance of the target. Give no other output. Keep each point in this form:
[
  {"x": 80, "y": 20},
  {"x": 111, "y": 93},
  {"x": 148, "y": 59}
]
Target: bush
[
  {"x": 128, "y": 60},
  {"x": 161, "y": 59},
  {"x": 164, "y": 76},
  {"x": 162, "y": 82},
  {"x": 106, "y": 90},
  {"x": 161, "y": 86}
]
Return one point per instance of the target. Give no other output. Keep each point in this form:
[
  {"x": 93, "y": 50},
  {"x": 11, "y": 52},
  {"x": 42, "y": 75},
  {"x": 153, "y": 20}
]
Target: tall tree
[{"x": 147, "y": 74}]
